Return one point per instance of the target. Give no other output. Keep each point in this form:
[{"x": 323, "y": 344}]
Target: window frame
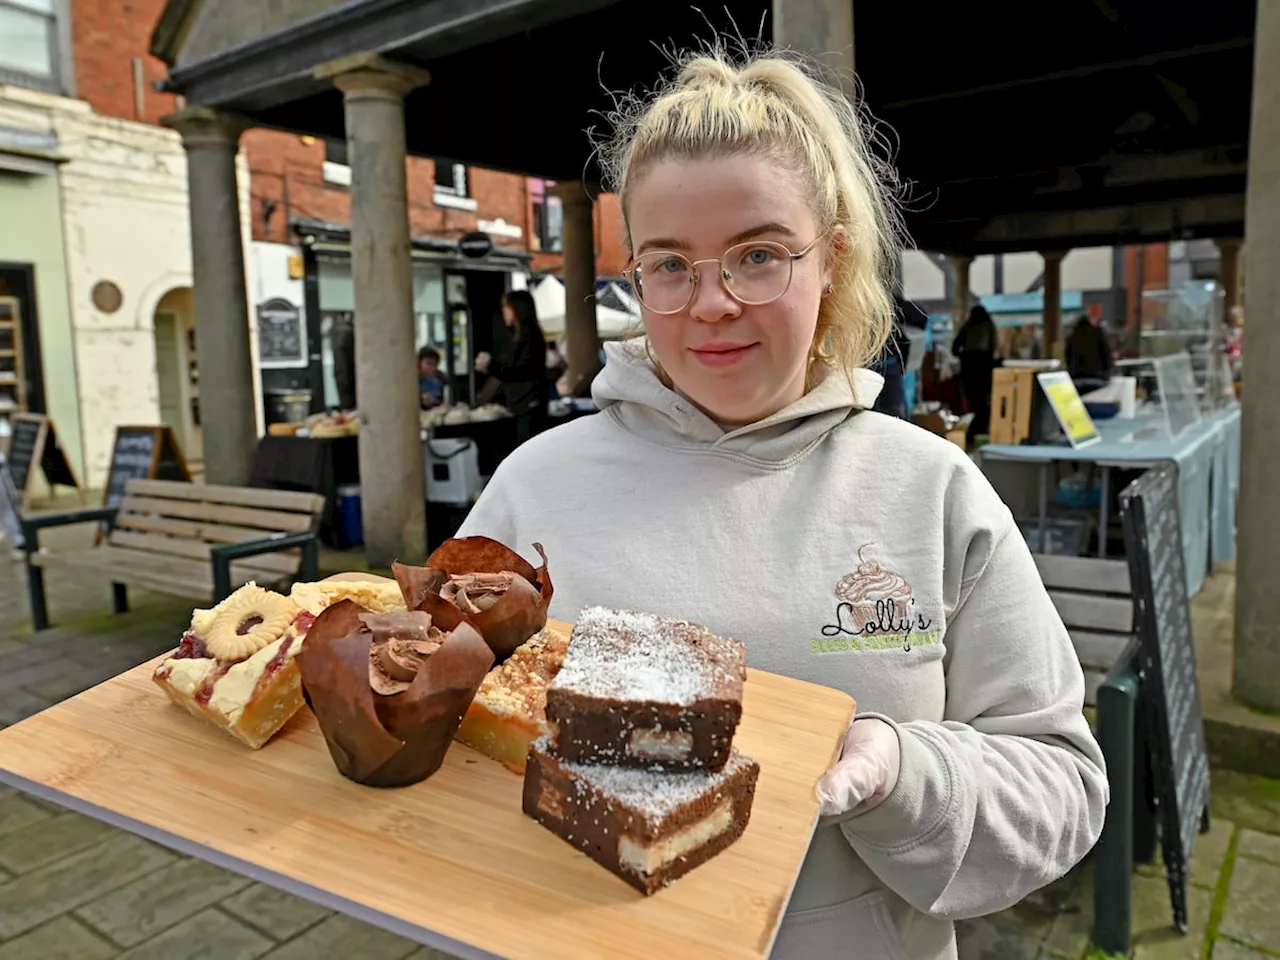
[{"x": 61, "y": 78}]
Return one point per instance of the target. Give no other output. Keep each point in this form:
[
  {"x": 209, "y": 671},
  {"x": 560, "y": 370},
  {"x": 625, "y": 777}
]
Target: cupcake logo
[{"x": 875, "y": 602}]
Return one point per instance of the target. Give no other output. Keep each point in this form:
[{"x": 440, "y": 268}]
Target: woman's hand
[
  {"x": 866, "y": 772},
  {"x": 482, "y": 361}
]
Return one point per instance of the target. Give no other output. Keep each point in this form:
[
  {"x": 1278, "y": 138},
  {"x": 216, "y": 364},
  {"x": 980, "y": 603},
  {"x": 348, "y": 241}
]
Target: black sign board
[
  {"x": 35, "y": 441},
  {"x": 1170, "y": 690},
  {"x": 10, "y": 519},
  {"x": 475, "y": 245},
  {"x": 143, "y": 453},
  {"x": 25, "y": 445},
  {"x": 281, "y": 340}
]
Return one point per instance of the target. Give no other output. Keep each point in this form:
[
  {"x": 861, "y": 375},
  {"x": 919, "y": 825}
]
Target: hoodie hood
[{"x": 629, "y": 390}]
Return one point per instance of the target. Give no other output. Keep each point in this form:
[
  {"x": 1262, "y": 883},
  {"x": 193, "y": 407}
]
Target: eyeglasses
[{"x": 754, "y": 273}]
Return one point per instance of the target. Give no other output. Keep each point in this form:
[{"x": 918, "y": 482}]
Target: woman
[
  {"x": 522, "y": 366},
  {"x": 735, "y": 477},
  {"x": 975, "y": 347}
]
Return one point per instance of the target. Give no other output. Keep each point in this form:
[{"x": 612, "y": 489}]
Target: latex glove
[{"x": 866, "y": 772}]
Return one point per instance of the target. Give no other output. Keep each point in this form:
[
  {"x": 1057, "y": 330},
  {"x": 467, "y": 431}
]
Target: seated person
[{"x": 430, "y": 383}]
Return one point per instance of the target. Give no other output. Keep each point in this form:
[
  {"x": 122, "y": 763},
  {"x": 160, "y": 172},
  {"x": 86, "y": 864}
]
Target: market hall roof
[{"x": 1019, "y": 126}]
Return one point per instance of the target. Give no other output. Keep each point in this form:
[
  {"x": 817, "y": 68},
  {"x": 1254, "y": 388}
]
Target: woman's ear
[{"x": 832, "y": 251}]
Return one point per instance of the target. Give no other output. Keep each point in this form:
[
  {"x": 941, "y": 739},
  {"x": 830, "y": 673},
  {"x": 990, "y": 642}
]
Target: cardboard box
[{"x": 1012, "y": 390}]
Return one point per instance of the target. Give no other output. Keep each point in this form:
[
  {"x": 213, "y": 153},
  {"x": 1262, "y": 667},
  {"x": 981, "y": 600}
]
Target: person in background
[
  {"x": 522, "y": 365},
  {"x": 975, "y": 348},
  {"x": 430, "y": 383},
  {"x": 893, "y": 399},
  {"x": 1088, "y": 355}
]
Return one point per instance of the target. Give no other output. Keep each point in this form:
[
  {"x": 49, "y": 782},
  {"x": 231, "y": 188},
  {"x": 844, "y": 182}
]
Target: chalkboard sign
[
  {"x": 1171, "y": 692},
  {"x": 143, "y": 453},
  {"x": 35, "y": 441},
  {"x": 10, "y": 519},
  {"x": 25, "y": 447},
  {"x": 281, "y": 342}
]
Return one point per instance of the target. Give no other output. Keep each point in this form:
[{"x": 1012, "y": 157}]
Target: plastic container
[{"x": 350, "y": 529}]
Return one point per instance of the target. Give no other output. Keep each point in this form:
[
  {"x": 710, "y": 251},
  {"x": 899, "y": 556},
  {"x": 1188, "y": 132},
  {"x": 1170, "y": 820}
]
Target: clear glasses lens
[{"x": 754, "y": 273}]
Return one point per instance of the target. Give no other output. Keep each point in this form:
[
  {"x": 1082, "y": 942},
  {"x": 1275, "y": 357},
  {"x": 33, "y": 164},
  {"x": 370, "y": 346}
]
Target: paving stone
[
  {"x": 60, "y": 939},
  {"x": 1072, "y": 930},
  {"x": 51, "y": 839},
  {"x": 1224, "y": 949},
  {"x": 209, "y": 935},
  {"x": 274, "y": 912},
  {"x": 425, "y": 953},
  {"x": 1251, "y": 915},
  {"x": 159, "y": 900},
  {"x": 1259, "y": 846},
  {"x": 991, "y": 938},
  {"x": 16, "y": 705},
  {"x": 1210, "y": 853},
  {"x": 30, "y": 900},
  {"x": 341, "y": 936},
  {"x": 1154, "y": 935},
  {"x": 18, "y": 812}
]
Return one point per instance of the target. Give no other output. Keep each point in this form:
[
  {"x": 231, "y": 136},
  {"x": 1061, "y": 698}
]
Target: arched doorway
[{"x": 177, "y": 373}]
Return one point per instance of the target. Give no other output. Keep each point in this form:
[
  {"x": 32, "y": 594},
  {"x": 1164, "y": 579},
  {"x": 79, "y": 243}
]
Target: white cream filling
[
  {"x": 645, "y": 858},
  {"x": 188, "y": 675},
  {"x": 660, "y": 744},
  {"x": 233, "y": 690}
]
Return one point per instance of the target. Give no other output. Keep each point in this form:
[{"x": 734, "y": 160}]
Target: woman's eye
[
  {"x": 670, "y": 265},
  {"x": 759, "y": 256}
]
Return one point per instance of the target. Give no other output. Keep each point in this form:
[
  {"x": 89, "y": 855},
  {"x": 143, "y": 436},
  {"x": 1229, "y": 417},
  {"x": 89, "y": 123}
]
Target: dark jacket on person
[{"x": 522, "y": 367}]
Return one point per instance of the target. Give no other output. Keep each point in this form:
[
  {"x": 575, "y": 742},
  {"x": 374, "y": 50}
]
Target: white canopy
[{"x": 549, "y": 298}]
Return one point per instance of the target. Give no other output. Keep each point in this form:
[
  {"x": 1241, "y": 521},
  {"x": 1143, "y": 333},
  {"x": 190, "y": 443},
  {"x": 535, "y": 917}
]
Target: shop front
[{"x": 306, "y": 315}]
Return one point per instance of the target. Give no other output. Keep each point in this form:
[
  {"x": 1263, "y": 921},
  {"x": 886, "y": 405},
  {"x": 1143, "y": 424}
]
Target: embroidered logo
[{"x": 876, "y": 611}]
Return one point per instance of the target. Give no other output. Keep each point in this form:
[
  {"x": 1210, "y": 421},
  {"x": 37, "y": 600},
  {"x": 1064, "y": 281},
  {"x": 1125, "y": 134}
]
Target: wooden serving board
[{"x": 451, "y": 862}]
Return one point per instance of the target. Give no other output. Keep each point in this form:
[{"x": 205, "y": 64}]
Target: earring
[{"x": 828, "y": 289}]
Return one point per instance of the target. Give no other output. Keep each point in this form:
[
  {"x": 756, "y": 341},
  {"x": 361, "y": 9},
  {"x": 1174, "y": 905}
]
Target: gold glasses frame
[{"x": 631, "y": 272}]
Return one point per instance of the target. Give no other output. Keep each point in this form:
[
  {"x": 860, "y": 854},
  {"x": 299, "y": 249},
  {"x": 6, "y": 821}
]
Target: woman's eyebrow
[
  {"x": 662, "y": 243},
  {"x": 671, "y": 243}
]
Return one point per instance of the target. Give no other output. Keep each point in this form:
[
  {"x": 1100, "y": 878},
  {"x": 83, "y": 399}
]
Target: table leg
[{"x": 1102, "y": 512}]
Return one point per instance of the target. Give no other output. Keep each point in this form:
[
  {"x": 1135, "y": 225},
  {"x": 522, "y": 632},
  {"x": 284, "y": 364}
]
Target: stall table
[
  {"x": 1207, "y": 455},
  {"x": 451, "y": 862}
]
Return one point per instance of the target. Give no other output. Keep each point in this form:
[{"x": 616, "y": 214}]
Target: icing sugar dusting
[
  {"x": 652, "y": 793},
  {"x": 625, "y": 655}
]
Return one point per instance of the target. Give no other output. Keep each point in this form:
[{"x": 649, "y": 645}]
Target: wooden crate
[{"x": 1012, "y": 390}]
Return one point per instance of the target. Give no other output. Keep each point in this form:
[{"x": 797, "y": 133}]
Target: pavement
[{"x": 75, "y": 889}]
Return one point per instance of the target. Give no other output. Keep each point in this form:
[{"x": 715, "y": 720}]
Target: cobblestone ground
[{"x": 74, "y": 889}]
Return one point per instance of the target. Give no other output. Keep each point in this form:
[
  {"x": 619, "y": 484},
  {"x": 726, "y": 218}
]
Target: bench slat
[
  {"x": 269, "y": 521},
  {"x": 1092, "y": 612},
  {"x": 1092, "y": 681},
  {"x": 1100, "y": 650},
  {"x": 164, "y": 574},
  {"x": 190, "y": 529},
  {"x": 286, "y": 500},
  {"x": 283, "y": 562},
  {"x": 1087, "y": 574}
]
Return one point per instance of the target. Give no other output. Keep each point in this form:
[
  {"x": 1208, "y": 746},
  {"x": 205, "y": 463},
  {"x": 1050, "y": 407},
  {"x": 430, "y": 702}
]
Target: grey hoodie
[{"x": 857, "y": 551}]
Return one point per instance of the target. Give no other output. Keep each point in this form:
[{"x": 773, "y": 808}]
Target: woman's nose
[{"x": 711, "y": 300}]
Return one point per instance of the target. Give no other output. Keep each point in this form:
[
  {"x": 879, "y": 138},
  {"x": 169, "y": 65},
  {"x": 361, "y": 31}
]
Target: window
[
  {"x": 30, "y": 44},
  {"x": 548, "y": 223},
  {"x": 336, "y": 171},
  {"x": 451, "y": 185}
]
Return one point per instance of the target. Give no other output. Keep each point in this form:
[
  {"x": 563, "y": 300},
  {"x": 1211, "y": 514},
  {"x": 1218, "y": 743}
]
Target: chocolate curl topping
[
  {"x": 389, "y": 739},
  {"x": 490, "y": 586},
  {"x": 418, "y": 583}
]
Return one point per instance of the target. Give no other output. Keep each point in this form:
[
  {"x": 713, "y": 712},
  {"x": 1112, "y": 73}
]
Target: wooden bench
[
  {"x": 1095, "y": 599},
  {"x": 185, "y": 539}
]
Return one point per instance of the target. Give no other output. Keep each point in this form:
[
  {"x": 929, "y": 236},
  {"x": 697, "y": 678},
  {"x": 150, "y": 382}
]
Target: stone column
[
  {"x": 1257, "y": 647},
  {"x": 819, "y": 28},
  {"x": 960, "y": 264},
  {"x": 582, "y": 348},
  {"x": 219, "y": 295},
  {"x": 392, "y": 486},
  {"x": 1229, "y": 269},
  {"x": 1052, "y": 329}
]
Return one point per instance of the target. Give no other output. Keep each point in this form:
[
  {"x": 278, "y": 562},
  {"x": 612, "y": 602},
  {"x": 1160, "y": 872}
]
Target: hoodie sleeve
[{"x": 1008, "y": 792}]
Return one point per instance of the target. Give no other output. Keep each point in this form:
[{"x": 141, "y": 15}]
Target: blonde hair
[{"x": 777, "y": 104}]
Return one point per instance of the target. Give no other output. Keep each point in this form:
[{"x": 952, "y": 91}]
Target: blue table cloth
[{"x": 1208, "y": 459}]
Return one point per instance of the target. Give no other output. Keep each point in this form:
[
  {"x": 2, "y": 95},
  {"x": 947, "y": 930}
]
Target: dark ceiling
[{"x": 1002, "y": 109}]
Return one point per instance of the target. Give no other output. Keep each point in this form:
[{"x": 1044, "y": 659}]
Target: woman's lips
[{"x": 723, "y": 354}]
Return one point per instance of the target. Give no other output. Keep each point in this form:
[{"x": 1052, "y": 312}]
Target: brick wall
[
  {"x": 107, "y": 36},
  {"x": 287, "y": 171}
]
